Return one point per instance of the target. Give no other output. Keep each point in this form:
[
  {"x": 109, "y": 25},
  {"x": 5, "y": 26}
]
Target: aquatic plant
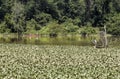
[{"x": 18, "y": 61}]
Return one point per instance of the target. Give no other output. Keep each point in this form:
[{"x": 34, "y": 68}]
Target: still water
[{"x": 61, "y": 40}]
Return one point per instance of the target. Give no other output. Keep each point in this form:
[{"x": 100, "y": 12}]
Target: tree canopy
[{"x": 38, "y": 14}]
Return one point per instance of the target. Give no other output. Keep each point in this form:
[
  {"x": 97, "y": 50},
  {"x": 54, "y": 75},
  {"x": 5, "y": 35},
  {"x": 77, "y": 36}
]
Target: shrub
[
  {"x": 87, "y": 31},
  {"x": 43, "y": 18},
  {"x": 69, "y": 27},
  {"x": 113, "y": 25},
  {"x": 32, "y": 25},
  {"x": 52, "y": 28},
  {"x": 3, "y": 28}
]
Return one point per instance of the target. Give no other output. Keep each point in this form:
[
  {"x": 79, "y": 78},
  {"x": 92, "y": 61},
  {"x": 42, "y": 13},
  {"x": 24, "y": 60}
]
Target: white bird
[{"x": 95, "y": 43}]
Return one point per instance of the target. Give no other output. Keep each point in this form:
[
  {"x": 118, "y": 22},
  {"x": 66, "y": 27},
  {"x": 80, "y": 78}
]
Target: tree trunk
[{"x": 19, "y": 36}]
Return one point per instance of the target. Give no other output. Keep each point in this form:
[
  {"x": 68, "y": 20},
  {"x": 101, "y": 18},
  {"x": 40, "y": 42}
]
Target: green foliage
[
  {"x": 17, "y": 13},
  {"x": 18, "y": 17},
  {"x": 43, "y": 18},
  {"x": 69, "y": 27},
  {"x": 55, "y": 28},
  {"x": 113, "y": 25},
  {"x": 20, "y": 61},
  {"x": 32, "y": 25},
  {"x": 3, "y": 28},
  {"x": 52, "y": 28},
  {"x": 88, "y": 30}
]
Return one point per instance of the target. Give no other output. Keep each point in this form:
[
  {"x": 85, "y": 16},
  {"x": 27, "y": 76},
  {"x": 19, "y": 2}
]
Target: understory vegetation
[{"x": 19, "y": 61}]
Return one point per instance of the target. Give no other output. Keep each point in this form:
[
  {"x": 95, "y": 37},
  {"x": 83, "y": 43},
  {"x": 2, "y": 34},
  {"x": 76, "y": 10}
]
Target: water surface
[{"x": 60, "y": 40}]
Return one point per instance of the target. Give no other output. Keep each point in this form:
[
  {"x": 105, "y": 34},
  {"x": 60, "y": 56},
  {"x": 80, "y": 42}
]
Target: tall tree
[
  {"x": 88, "y": 4},
  {"x": 18, "y": 18}
]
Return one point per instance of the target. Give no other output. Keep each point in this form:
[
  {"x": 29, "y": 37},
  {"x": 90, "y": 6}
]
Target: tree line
[{"x": 45, "y": 16}]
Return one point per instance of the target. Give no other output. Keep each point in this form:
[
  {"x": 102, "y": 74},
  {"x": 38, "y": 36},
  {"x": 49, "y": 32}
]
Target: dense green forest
[{"x": 59, "y": 16}]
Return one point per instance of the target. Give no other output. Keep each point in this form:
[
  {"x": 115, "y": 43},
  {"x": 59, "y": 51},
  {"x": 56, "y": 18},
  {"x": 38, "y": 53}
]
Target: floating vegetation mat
[{"x": 19, "y": 61}]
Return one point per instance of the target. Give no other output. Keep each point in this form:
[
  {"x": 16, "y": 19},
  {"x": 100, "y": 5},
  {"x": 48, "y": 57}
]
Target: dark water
[{"x": 61, "y": 40}]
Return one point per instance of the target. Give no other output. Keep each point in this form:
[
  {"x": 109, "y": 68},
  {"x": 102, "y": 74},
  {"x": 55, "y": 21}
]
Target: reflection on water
[{"x": 61, "y": 40}]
